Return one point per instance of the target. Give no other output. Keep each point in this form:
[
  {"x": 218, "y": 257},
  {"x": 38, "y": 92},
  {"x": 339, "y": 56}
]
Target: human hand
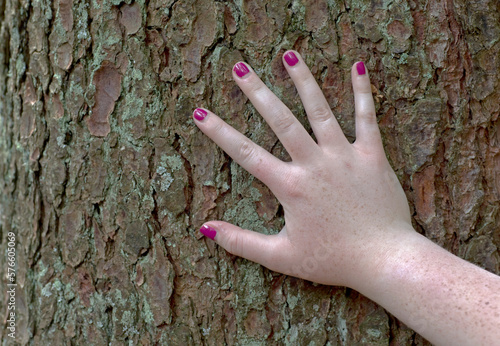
[{"x": 343, "y": 204}]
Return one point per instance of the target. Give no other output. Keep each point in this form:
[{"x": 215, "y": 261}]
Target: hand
[
  {"x": 343, "y": 203},
  {"x": 347, "y": 220}
]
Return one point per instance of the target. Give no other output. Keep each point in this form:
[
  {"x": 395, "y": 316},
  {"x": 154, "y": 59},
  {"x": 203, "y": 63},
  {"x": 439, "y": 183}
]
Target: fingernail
[
  {"x": 360, "y": 66},
  {"x": 199, "y": 114},
  {"x": 241, "y": 69},
  {"x": 208, "y": 231},
  {"x": 291, "y": 59}
]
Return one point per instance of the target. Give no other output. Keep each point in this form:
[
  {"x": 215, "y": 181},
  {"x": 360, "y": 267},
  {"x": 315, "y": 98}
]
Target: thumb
[{"x": 265, "y": 249}]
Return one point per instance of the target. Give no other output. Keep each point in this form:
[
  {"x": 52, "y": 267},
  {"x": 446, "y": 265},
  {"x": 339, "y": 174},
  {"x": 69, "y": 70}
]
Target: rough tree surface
[{"x": 105, "y": 179}]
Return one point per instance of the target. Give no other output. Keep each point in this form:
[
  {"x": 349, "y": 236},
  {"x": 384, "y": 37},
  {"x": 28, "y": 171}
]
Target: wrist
[
  {"x": 439, "y": 295},
  {"x": 385, "y": 257}
]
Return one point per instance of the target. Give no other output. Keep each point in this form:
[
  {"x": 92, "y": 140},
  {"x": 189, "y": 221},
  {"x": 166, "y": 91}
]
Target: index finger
[{"x": 252, "y": 157}]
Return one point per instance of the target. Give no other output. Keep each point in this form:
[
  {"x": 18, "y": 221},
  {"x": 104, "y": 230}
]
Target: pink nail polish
[
  {"x": 291, "y": 59},
  {"x": 360, "y": 66},
  {"x": 241, "y": 69},
  {"x": 199, "y": 114},
  {"x": 208, "y": 231}
]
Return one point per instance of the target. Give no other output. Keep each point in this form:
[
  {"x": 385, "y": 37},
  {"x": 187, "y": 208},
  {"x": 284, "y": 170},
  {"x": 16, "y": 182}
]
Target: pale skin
[{"x": 347, "y": 220}]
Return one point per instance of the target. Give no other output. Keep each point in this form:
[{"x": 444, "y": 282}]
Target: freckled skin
[{"x": 347, "y": 220}]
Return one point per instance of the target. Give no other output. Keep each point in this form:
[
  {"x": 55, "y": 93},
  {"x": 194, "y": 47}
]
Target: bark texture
[{"x": 105, "y": 179}]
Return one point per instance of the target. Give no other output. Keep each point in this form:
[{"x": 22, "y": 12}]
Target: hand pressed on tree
[
  {"x": 347, "y": 220},
  {"x": 341, "y": 200}
]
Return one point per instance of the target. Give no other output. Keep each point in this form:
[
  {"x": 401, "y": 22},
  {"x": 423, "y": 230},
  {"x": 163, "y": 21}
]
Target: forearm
[{"x": 444, "y": 298}]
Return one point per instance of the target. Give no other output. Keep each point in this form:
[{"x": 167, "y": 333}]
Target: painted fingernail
[
  {"x": 208, "y": 231},
  {"x": 241, "y": 69},
  {"x": 199, "y": 114},
  {"x": 291, "y": 59},
  {"x": 360, "y": 66}
]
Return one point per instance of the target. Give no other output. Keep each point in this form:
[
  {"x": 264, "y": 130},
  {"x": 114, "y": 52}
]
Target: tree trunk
[{"x": 106, "y": 179}]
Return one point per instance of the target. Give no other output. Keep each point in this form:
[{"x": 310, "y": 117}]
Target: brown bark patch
[
  {"x": 66, "y": 14},
  {"x": 74, "y": 242},
  {"x": 159, "y": 278},
  {"x": 423, "y": 184},
  {"x": 400, "y": 35},
  {"x": 316, "y": 14},
  {"x": 256, "y": 325},
  {"x": 107, "y": 81},
  {"x": 136, "y": 239},
  {"x": 399, "y": 31},
  {"x": 86, "y": 287},
  {"x": 64, "y": 56},
  {"x": 131, "y": 18}
]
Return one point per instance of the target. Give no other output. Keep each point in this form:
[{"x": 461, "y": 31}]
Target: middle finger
[{"x": 325, "y": 126}]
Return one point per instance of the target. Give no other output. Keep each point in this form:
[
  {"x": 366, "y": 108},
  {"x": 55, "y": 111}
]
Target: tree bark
[{"x": 106, "y": 179}]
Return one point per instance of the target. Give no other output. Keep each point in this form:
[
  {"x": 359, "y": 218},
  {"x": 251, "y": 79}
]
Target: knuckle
[
  {"x": 294, "y": 191},
  {"x": 292, "y": 186},
  {"x": 320, "y": 113},
  {"x": 246, "y": 151},
  {"x": 258, "y": 89},
  {"x": 234, "y": 243},
  {"x": 272, "y": 258},
  {"x": 283, "y": 121},
  {"x": 218, "y": 128},
  {"x": 305, "y": 79},
  {"x": 371, "y": 117}
]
